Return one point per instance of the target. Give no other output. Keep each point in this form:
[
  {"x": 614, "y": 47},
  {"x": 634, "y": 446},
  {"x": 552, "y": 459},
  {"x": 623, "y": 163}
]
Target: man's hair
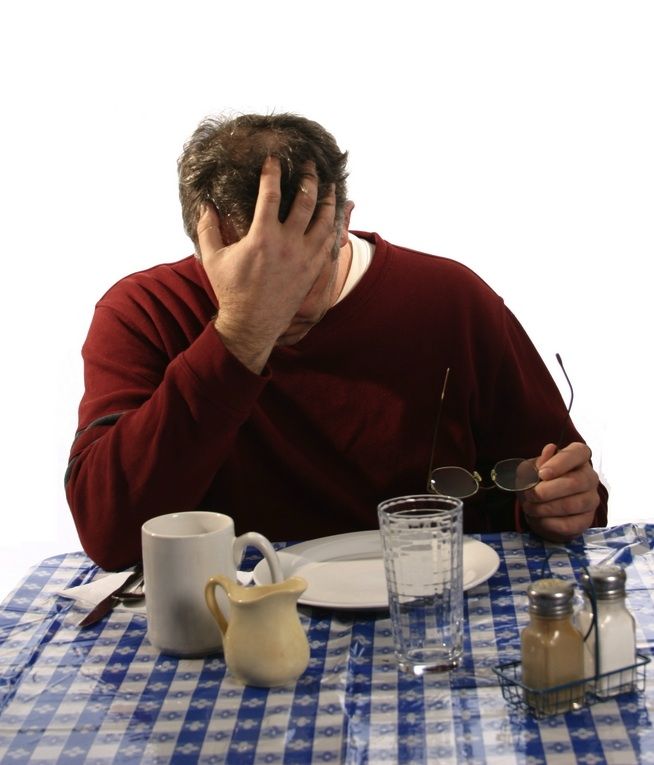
[{"x": 222, "y": 161}]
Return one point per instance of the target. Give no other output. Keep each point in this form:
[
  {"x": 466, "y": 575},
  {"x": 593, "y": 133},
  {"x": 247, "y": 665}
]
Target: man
[{"x": 290, "y": 374}]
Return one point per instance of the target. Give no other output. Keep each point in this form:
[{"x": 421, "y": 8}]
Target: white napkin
[{"x": 91, "y": 593}]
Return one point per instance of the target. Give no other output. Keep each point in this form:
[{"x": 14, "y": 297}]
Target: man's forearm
[{"x": 160, "y": 455}]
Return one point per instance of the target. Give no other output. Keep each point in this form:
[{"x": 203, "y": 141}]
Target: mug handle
[
  {"x": 210, "y": 597},
  {"x": 263, "y": 545}
]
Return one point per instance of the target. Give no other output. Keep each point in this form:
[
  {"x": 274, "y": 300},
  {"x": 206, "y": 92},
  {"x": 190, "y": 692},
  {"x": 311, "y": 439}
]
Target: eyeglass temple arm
[
  {"x": 436, "y": 424},
  {"x": 572, "y": 396},
  {"x": 440, "y": 409}
]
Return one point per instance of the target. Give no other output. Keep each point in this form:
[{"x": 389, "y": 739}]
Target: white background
[{"x": 516, "y": 137}]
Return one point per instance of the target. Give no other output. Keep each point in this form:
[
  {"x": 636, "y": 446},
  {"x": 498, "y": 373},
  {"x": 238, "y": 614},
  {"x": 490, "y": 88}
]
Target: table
[{"x": 105, "y": 695}]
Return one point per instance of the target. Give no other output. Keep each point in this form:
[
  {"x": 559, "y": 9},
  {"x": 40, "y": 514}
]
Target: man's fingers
[
  {"x": 560, "y": 528},
  {"x": 576, "y": 482},
  {"x": 564, "y": 502},
  {"x": 572, "y": 456},
  {"x": 266, "y": 210},
  {"x": 300, "y": 219},
  {"x": 208, "y": 229},
  {"x": 580, "y": 481},
  {"x": 326, "y": 214},
  {"x": 548, "y": 451},
  {"x": 304, "y": 204},
  {"x": 574, "y": 505}
]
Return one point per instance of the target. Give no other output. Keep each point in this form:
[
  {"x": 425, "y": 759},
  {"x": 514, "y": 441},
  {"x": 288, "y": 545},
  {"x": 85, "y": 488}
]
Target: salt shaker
[
  {"x": 612, "y": 648},
  {"x": 552, "y": 649}
]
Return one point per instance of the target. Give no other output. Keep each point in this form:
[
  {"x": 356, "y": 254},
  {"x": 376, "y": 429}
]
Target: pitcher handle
[
  {"x": 210, "y": 596},
  {"x": 263, "y": 545}
]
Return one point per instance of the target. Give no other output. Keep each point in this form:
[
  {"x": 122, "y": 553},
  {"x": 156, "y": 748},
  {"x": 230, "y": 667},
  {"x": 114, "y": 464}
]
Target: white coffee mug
[{"x": 181, "y": 551}]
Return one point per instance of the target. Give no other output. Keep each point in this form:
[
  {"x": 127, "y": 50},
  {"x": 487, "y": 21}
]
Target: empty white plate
[{"x": 347, "y": 570}]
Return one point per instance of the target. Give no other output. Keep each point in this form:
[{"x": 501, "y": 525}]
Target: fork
[{"x": 136, "y": 593}]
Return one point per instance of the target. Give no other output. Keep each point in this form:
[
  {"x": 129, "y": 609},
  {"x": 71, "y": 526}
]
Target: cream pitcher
[{"x": 264, "y": 641}]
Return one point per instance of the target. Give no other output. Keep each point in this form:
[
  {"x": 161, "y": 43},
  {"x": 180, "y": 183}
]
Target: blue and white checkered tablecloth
[{"x": 104, "y": 695}]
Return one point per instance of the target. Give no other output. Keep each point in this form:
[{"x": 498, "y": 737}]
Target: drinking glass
[{"x": 422, "y": 543}]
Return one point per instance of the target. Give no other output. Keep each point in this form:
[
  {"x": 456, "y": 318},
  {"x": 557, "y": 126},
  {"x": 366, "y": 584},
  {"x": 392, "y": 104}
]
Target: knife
[{"x": 107, "y": 604}]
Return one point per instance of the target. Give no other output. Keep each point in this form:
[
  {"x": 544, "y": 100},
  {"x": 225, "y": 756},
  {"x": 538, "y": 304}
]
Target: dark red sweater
[{"x": 171, "y": 421}]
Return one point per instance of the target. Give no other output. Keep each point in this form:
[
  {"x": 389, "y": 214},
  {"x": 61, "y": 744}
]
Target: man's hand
[
  {"x": 261, "y": 280},
  {"x": 563, "y": 504}
]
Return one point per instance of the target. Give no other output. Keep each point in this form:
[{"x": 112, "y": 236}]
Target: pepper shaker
[{"x": 552, "y": 649}]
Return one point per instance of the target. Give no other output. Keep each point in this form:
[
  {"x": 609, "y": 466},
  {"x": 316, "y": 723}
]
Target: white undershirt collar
[{"x": 362, "y": 252}]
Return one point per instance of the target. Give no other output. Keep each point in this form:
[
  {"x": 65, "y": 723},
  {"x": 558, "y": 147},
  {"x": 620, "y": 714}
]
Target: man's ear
[{"x": 347, "y": 212}]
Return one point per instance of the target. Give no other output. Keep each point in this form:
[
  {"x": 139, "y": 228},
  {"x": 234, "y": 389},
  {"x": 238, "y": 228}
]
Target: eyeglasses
[{"x": 513, "y": 474}]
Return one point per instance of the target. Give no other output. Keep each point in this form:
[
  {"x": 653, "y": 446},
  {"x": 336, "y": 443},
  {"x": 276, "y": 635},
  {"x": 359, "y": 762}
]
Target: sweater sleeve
[
  {"x": 153, "y": 430},
  {"x": 525, "y": 408}
]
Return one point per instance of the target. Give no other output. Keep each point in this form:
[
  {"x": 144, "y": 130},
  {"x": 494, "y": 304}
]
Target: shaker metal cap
[
  {"x": 607, "y": 582},
  {"x": 551, "y": 597}
]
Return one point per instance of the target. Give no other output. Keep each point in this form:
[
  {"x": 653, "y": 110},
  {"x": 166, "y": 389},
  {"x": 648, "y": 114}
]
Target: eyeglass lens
[
  {"x": 510, "y": 475},
  {"x": 454, "y": 482}
]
